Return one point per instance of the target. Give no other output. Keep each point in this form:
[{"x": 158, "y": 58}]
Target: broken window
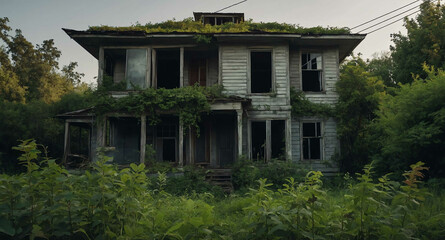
[
  {"x": 273, "y": 134},
  {"x": 312, "y": 140},
  {"x": 167, "y": 68},
  {"x": 128, "y": 65},
  {"x": 312, "y": 70},
  {"x": 261, "y": 71}
]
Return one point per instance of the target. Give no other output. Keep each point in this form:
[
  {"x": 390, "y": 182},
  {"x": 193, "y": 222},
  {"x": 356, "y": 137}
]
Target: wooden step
[{"x": 221, "y": 178}]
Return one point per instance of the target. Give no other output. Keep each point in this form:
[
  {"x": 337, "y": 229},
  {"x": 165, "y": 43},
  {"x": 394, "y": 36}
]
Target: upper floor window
[
  {"x": 312, "y": 71},
  {"x": 312, "y": 140},
  {"x": 168, "y": 68},
  {"x": 127, "y": 65},
  {"x": 260, "y": 71}
]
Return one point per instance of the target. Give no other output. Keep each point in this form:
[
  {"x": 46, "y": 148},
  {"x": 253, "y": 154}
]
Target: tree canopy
[
  {"x": 424, "y": 43},
  {"x": 29, "y": 72}
]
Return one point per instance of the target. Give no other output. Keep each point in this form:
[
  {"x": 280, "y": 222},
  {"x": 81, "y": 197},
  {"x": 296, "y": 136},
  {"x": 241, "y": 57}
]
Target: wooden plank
[
  {"x": 181, "y": 145},
  {"x": 143, "y": 138},
  {"x": 239, "y": 114},
  {"x": 154, "y": 75},
  {"x": 268, "y": 140},
  {"x": 181, "y": 66},
  {"x": 66, "y": 143},
  {"x": 100, "y": 74}
]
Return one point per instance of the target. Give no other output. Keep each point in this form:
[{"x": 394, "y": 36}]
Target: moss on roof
[{"x": 190, "y": 26}]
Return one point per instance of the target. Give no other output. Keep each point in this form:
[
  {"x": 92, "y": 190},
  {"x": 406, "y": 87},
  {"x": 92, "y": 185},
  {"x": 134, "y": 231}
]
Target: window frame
[
  {"x": 322, "y": 70},
  {"x": 148, "y": 70},
  {"x": 249, "y": 69},
  {"x": 315, "y": 121},
  {"x": 268, "y": 129}
]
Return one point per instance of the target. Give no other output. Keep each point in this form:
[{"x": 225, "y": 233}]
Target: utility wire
[
  {"x": 388, "y": 19},
  {"x": 230, "y": 6},
  {"x": 384, "y": 14},
  {"x": 393, "y": 22}
]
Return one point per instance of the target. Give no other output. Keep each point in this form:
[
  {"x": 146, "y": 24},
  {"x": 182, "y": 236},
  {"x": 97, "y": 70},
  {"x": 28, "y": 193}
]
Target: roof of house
[{"x": 187, "y": 32}]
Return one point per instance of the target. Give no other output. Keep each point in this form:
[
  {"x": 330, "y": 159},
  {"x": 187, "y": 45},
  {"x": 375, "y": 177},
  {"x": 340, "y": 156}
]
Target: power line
[
  {"x": 384, "y": 15},
  {"x": 393, "y": 22},
  {"x": 231, "y": 6},
  {"x": 388, "y": 19}
]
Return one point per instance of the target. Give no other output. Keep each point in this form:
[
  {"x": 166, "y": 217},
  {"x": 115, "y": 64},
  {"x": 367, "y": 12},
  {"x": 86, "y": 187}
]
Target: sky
[{"x": 44, "y": 19}]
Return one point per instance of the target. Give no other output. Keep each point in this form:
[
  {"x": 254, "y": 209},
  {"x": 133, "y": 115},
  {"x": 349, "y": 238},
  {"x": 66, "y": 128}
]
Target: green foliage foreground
[{"x": 49, "y": 202}]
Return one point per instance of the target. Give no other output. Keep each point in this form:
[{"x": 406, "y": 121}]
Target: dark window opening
[
  {"x": 312, "y": 72},
  {"x": 168, "y": 72},
  {"x": 312, "y": 140},
  {"x": 125, "y": 137},
  {"x": 261, "y": 72},
  {"x": 278, "y": 140},
  {"x": 169, "y": 150},
  {"x": 114, "y": 65},
  {"x": 164, "y": 139},
  {"x": 258, "y": 140}
]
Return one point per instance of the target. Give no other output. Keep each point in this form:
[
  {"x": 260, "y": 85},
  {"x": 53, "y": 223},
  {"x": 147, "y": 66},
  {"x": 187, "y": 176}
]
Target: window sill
[
  {"x": 269, "y": 94},
  {"x": 314, "y": 93}
]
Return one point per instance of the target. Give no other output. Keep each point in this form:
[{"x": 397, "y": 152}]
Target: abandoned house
[{"x": 257, "y": 70}]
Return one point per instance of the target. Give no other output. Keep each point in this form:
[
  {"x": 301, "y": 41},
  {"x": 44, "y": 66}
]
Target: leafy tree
[
  {"x": 10, "y": 88},
  {"x": 359, "y": 98},
  {"x": 34, "y": 70},
  {"x": 411, "y": 125},
  {"x": 424, "y": 43},
  {"x": 382, "y": 66}
]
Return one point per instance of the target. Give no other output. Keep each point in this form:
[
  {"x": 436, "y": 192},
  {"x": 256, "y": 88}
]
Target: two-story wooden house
[{"x": 257, "y": 70}]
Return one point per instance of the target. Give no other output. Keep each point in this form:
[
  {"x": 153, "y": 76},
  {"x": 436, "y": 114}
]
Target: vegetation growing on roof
[{"x": 191, "y": 26}]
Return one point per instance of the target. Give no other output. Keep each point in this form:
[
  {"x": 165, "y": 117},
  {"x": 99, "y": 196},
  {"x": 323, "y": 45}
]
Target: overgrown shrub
[{"x": 49, "y": 202}]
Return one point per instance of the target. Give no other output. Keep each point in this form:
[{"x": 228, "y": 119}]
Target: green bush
[{"x": 49, "y": 202}]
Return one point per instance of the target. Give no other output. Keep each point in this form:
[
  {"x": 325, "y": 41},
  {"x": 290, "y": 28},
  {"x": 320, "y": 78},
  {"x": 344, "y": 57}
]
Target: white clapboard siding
[
  {"x": 234, "y": 75},
  {"x": 330, "y": 147},
  {"x": 234, "y": 70}
]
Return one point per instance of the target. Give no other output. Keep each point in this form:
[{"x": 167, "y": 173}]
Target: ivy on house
[
  {"x": 301, "y": 106},
  {"x": 187, "y": 102}
]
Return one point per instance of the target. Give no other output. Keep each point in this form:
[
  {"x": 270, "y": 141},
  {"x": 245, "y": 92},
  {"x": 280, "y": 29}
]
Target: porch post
[
  {"x": 100, "y": 74},
  {"x": 143, "y": 138},
  {"x": 239, "y": 118},
  {"x": 101, "y": 128},
  {"x": 289, "y": 138},
  {"x": 66, "y": 143},
  {"x": 181, "y": 145},
  {"x": 181, "y": 67}
]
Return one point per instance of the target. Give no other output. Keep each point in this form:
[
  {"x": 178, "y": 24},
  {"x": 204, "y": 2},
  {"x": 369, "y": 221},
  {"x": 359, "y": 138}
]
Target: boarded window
[
  {"x": 278, "y": 141},
  {"x": 258, "y": 140},
  {"x": 312, "y": 70},
  {"x": 261, "y": 72},
  {"x": 312, "y": 140},
  {"x": 168, "y": 68}
]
